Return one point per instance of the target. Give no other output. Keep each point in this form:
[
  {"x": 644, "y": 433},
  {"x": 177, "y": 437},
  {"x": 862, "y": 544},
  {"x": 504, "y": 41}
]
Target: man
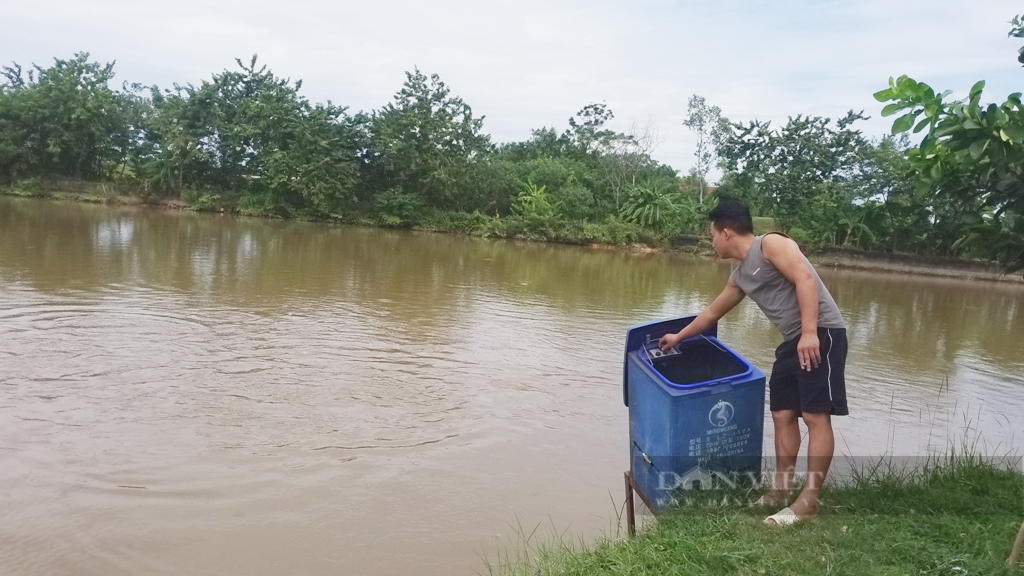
[{"x": 807, "y": 378}]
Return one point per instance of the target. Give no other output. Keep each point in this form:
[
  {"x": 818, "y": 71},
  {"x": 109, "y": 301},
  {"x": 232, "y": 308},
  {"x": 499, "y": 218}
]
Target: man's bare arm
[
  {"x": 731, "y": 296},
  {"x": 785, "y": 255}
]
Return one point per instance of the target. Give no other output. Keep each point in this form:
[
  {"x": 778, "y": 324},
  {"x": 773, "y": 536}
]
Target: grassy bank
[
  {"x": 90, "y": 192},
  {"x": 955, "y": 516},
  {"x": 611, "y": 232}
]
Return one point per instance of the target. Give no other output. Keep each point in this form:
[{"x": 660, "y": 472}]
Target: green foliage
[
  {"x": 399, "y": 209},
  {"x": 534, "y": 209},
  {"x": 589, "y": 168},
  {"x": 494, "y": 184},
  {"x": 897, "y": 214},
  {"x": 250, "y": 135},
  {"x": 425, "y": 143},
  {"x": 828, "y": 186},
  {"x": 799, "y": 173},
  {"x": 587, "y": 133},
  {"x": 575, "y": 201},
  {"x": 1017, "y": 31},
  {"x": 475, "y": 223},
  {"x": 181, "y": 122},
  {"x": 205, "y": 202},
  {"x": 764, "y": 225},
  {"x": 552, "y": 173},
  {"x": 313, "y": 164},
  {"x": 558, "y": 177},
  {"x": 710, "y": 128},
  {"x": 543, "y": 143},
  {"x": 972, "y": 157},
  {"x": 653, "y": 206},
  {"x": 611, "y": 230},
  {"x": 27, "y": 186},
  {"x": 247, "y": 140},
  {"x": 62, "y": 120}
]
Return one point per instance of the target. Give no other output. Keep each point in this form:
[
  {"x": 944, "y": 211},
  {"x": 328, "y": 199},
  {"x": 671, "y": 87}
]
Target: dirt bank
[{"x": 914, "y": 264}]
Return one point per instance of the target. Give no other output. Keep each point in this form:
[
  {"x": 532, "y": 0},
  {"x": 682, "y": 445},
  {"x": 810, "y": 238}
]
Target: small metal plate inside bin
[
  {"x": 654, "y": 352},
  {"x": 696, "y": 361}
]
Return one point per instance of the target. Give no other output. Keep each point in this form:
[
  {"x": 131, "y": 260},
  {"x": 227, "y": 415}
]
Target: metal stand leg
[
  {"x": 630, "y": 511},
  {"x": 632, "y": 488}
]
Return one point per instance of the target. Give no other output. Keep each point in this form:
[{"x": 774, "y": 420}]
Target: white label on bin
[{"x": 721, "y": 413}]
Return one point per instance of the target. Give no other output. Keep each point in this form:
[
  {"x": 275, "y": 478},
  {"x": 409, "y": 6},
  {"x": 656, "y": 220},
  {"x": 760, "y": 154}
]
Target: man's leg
[
  {"x": 822, "y": 393},
  {"x": 820, "y": 446},
  {"x": 787, "y": 445}
]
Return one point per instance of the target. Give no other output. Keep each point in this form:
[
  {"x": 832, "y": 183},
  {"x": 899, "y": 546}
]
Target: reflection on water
[{"x": 193, "y": 393}]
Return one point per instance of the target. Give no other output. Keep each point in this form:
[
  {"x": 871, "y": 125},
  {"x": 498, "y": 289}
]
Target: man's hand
[
  {"x": 668, "y": 340},
  {"x": 808, "y": 350}
]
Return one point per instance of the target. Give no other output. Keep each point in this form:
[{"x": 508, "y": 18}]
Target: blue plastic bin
[{"x": 696, "y": 413}]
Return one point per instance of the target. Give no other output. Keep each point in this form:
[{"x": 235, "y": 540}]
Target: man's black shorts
[{"x": 823, "y": 389}]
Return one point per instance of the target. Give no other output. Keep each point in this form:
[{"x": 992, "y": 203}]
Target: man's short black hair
[{"x": 731, "y": 213}]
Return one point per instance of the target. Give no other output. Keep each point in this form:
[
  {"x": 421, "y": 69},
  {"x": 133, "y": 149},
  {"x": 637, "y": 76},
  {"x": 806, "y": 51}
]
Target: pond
[{"x": 191, "y": 393}]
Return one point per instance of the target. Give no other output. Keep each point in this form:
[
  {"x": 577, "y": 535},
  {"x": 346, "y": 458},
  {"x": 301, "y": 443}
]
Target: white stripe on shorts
[{"x": 829, "y": 361}]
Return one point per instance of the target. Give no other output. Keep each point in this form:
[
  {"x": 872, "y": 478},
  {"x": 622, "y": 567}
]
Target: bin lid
[{"x": 640, "y": 334}]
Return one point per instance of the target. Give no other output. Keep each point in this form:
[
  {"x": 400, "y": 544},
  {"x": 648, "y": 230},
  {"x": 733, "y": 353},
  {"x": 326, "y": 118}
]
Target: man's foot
[
  {"x": 802, "y": 509},
  {"x": 774, "y": 497}
]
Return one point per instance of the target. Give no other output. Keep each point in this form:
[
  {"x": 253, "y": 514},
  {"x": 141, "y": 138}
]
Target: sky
[{"x": 529, "y": 64}]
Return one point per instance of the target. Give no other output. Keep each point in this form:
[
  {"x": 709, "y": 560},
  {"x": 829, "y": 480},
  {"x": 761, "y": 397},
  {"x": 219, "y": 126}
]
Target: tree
[
  {"x": 131, "y": 144},
  {"x": 971, "y": 155},
  {"x": 18, "y": 156},
  {"x": 803, "y": 173},
  {"x": 587, "y": 132},
  {"x": 615, "y": 161},
  {"x": 423, "y": 145},
  {"x": 891, "y": 205},
  {"x": 627, "y": 162},
  {"x": 314, "y": 169},
  {"x": 249, "y": 135},
  {"x": 543, "y": 143},
  {"x": 708, "y": 125},
  {"x": 61, "y": 120},
  {"x": 285, "y": 154},
  {"x": 182, "y": 122}
]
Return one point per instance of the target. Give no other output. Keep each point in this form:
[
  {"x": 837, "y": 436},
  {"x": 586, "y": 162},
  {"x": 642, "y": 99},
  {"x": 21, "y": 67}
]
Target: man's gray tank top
[{"x": 776, "y": 296}]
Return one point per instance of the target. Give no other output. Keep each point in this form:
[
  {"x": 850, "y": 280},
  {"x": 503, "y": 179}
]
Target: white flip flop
[{"x": 784, "y": 517}]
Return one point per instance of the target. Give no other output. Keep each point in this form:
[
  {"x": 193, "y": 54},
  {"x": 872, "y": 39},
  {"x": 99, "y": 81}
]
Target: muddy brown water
[{"x": 200, "y": 394}]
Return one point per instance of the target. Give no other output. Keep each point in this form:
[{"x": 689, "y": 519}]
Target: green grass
[
  {"x": 955, "y": 516},
  {"x": 763, "y": 224}
]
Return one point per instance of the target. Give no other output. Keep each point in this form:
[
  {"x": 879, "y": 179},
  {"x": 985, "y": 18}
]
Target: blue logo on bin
[{"x": 721, "y": 413}]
